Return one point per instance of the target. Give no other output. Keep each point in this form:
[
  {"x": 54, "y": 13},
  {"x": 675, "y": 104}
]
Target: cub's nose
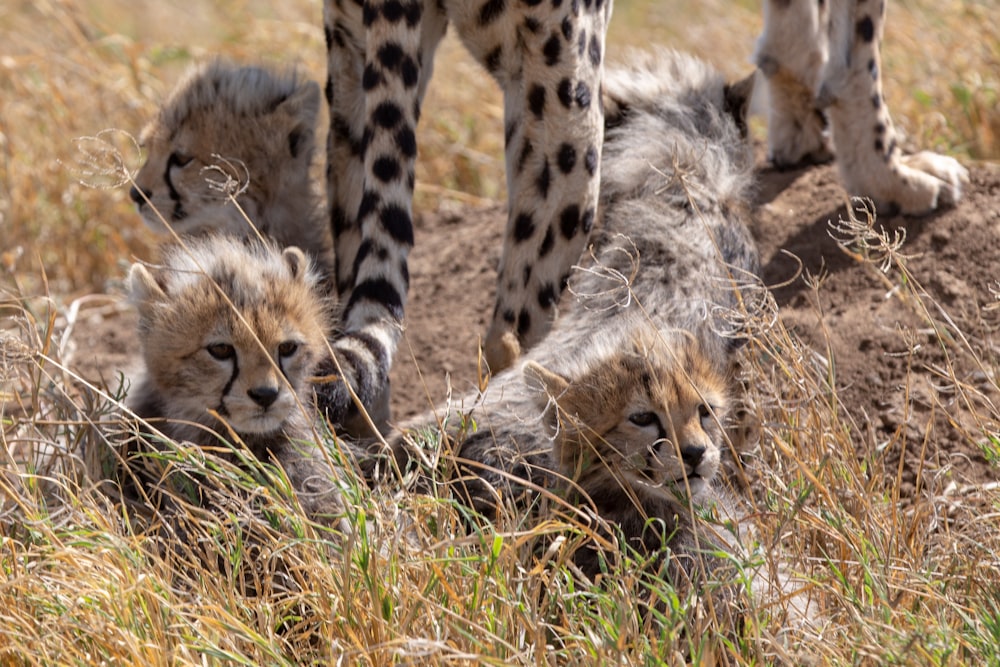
[
  {"x": 263, "y": 396},
  {"x": 137, "y": 196},
  {"x": 692, "y": 455}
]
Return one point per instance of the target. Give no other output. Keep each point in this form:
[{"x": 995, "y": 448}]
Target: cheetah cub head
[
  {"x": 229, "y": 328},
  {"x": 227, "y": 129},
  {"x": 644, "y": 423}
]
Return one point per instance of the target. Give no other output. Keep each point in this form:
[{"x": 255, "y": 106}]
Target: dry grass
[{"x": 83, "y": 582}]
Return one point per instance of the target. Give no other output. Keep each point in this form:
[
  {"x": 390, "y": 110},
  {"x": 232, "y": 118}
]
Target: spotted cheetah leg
[
  {"x": 870, "y": 161},
  {"x": 790, "y": 54},
  {"x": 836, "y": 55},
  {"x": 374, "y": 90},
  {"x": 551, "y": 72}
]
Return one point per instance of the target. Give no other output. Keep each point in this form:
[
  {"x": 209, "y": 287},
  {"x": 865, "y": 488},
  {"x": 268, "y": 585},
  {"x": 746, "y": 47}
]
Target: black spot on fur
[
  {"x": 523, "y": 322},
  {"x": 396, "y": 221},
  {"x": 492, "y": 59},
  {"x": 594, "y": 51},
  {"x": 524, "y": 227},
  {"x": 414, "y": 11},
  {"x": 371, "y": 77},
  {"x": 587, "y": 222},
  {"x": 527, "y": 275},
  {"x": 566, "y": 158},
  {"x": 590, "y": 160},
  {"x": 865, "y": 29},
  {"x": 565, "y": 92},
  {"x": 379, "y": 291},
  {"x": 567, "y": 28},
  {"x": 387, "y": 115},
  {"x": 544, "y": 180},
  {"x": 390, "y": 55},
  {"x": 410, "y": 72},
  {"x": 552, "y": 49},
  {"x": 581, "y": 43},
  {"x": 569, "y": 221},
  {"x": 393, "y": 11},
  {"x": 582, "y": 95},
  {"x": 406, "y": 141},
  {"x": 369, "y": 14},
  {"x": 386, "y": 168},
  {"x": 532, "y": 25},
  {"x": 369, "y": 202},
  {"x": 563, "y": 283},
  {"x": 364, "y": 250},
  {"x": 547, "y": 242},
  {"x": 536, "y": 100},
  {"x": 876, "y": 100},
  {"x": 509, "y": 317},
  {"x": 547, "y": 296}
]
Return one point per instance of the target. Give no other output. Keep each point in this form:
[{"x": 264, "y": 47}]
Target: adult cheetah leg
[
  {"x": 869, "y": 159},
  {"x": 371, "y": 156},
  {"x": 791, "y": 53},
  {"x": 553, "y": 134}
]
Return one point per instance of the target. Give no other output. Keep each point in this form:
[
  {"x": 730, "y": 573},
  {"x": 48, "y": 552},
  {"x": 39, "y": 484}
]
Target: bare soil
[{"x": 891, "y": 373}]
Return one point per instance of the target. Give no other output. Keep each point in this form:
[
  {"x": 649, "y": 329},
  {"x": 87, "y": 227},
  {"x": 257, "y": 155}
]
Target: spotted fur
[
  {"x": 230, "y": 333},
  {"x": 639, "y": 436},
  {"x": 822, "y": 64},
  {"x": 241, "y": 130},
  {"x": 547, "y": 58},
  {"x": 671, "y": 255}
]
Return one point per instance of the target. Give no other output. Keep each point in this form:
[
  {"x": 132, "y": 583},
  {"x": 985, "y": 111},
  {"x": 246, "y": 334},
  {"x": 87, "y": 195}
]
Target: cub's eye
[
  {"x": 643, "y": 419},
  {"x": 221, "y": 351},
  {"x": 288, "y": 348},
  {"x": 179, "y": 160},
  {"x": 706, "y": 417}
]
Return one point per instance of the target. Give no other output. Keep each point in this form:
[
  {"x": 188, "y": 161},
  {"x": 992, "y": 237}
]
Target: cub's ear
[
  {"x": 302, "y": 110},
  {"x": 737, "y": 100},
  {"x": 297, "y": 262},
  {"x": 545, "y": 381},
  {"x": 144, "y": 291}
]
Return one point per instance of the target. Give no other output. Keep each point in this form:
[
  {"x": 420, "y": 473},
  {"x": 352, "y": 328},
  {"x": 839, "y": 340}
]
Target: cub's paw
[{"x": 501, "y": 350}]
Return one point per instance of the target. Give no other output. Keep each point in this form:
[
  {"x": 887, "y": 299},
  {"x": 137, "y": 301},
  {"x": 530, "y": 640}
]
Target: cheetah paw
[{"x": 940, "y": 177}]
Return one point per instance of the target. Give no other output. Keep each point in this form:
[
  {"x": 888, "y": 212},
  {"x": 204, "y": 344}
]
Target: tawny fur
[
  {"x": 230, "y": 333},
  {"x": 241, "y": 130},
  {"x": 671, "y": 256}
]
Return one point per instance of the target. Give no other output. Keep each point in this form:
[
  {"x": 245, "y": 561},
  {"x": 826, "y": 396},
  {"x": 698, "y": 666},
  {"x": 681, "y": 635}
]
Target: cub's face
[
  {"x": 240, "y": 340},
  {"x": 174, "y": 187},
  {"x": 648, "y": 420},
  {"x": 225, "y": 130}
]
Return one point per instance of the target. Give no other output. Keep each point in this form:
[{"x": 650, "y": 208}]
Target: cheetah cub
[
  {"x": 637, "y": 437},
  {"x": 230, "y": 333},
  {"x": 242, "y": 130}
]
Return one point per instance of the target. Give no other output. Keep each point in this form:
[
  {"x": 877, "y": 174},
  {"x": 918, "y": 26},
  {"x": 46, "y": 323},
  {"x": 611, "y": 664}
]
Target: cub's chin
[{"x": 261, "y": 424}]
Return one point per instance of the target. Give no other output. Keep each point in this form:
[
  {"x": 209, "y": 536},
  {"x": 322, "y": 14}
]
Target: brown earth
[{"x": 891, "y": 374}]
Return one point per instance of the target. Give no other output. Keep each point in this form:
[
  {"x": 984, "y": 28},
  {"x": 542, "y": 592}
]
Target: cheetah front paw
[
  {"x": 948, "y": 178},
  {"x": 916, "y": 185}
]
